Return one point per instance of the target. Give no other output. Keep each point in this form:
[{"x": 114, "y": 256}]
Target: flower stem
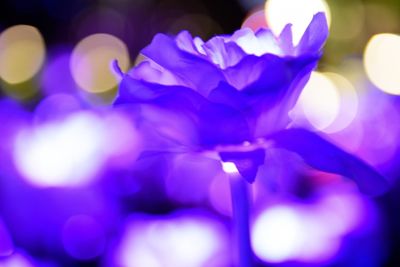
[{"x": 240, "y": 209}]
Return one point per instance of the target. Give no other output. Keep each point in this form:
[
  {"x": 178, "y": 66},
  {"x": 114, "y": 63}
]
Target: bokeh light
[
  {"x": 173, "y": 242},
  {"x": 255, "y": 20},
  {"x": 61, "y": 153},
  {"x": 329, "y": 102},
  {"x": 382, "y": 62},
  {"x": 349, "y": 102},
  {"x": 17, "y": 259},
  {"x": 299, "y": 13},
  {"x": 22, "y": 52},
  {"x": 320, "y": 101},
  {"x": 91, "y": 62},
  {"x": 310, "y": 232},
  {"x": 277, "y": 234},
  {"x": 72, "y": 150}
]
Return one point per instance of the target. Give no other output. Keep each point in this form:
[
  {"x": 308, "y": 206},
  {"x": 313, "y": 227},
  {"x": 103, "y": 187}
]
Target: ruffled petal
[
  {"x": 227, "y": 95},
  {"x": 273, "y": 112},
  {"x": 223, "y": 54},
  {"x": 270, "y": 86},
  {"x": 149, "y": 71},
  {"x": 184, "y": 41},
  {"x": 263, "y": 42},
  {"x": 175, "y": 98},
  {"x": 251, "y": 68},
  {"x": 268, "y": 43},
  {"x": 164, "y": 112},
  {"x": 196, "y": 72},
  {"x": 325, "y": 156},
  {"x": 176, "y": 109}
]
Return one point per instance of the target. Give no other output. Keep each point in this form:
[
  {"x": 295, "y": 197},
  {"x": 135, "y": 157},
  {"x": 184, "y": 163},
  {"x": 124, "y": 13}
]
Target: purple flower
[{"x": 230, "y": 96}]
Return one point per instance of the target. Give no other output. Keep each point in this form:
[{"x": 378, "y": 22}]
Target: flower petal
[
  {"x": 315, "y": 35},
  {"x": 150, "y": 72},
  {"x": 286, "y": 40},
  {"x": 276, "y": 87},
  {"x": 274, "y": 113},
  {"x": 227, "y": 95},
  {"x": 222, "y": 125},
  {"x": 165, "y": 113},
  {"x": 164, "y": 51},
  {"x": 184, "y": 41},
  {"x": 133, "y": 91},
  {"x": 325, "y": 156},
  {"x": 223, "y": 54},
  {"x": 258, "y": 44},
  {"x": 251, "y": 68}
]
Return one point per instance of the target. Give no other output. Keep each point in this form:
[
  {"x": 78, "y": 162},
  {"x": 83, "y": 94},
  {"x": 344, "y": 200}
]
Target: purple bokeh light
[{"x": 180, "y": 240}]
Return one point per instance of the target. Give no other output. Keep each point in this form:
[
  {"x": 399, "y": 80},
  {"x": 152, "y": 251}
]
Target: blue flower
[{"x": 230, "y": 96}]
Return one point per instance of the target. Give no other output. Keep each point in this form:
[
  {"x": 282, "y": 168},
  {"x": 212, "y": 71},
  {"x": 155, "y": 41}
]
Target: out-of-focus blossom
[{"x": 230, "y": 98}]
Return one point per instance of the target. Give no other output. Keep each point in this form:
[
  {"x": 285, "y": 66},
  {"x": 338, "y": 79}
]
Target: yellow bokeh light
[
  {"x": 91, "y": 61},
  {"x": 382, "y": 62},
  {"x": 297, "y": 12},
  {"x": 349, "y": 102},
  {"x": 320, "y": 101},
  {"x": 22, "y": 52}
]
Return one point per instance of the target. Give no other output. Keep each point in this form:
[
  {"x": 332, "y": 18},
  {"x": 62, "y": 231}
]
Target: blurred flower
[{"x": 231, "y": 96}]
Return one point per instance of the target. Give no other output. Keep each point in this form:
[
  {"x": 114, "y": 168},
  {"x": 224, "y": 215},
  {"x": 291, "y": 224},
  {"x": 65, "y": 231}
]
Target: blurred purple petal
[{"x": 325, "y": 156}]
